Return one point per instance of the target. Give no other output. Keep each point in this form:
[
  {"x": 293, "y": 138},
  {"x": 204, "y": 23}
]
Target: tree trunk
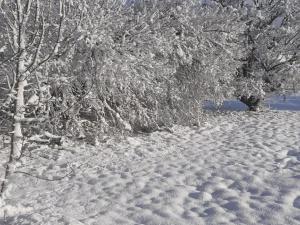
[
  {"x": 251, "y": 101},
  {"x": 17, "y": 137},
  {"x": 21, "y": 78}
]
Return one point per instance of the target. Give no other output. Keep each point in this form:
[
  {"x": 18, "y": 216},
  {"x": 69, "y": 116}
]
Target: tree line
[{"x": 84, "y": 68}]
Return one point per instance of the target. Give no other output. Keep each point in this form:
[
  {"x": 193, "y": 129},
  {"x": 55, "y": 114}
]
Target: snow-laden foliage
[
  {"x": 152, "y": 63},
  {"x": 124, "y": 58},
  {"x": 33, "y": 33},
  {"x": 214, "y": 32},
  {"x": 272, "y": 43},
  {"x": 90, "y": 67}
]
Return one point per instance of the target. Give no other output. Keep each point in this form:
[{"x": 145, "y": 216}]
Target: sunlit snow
[{"x": 238, "y": 167}]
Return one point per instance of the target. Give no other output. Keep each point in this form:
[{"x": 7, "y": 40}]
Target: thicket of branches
[
  {"x": 84, "y": 68},
  {"x": 272, "y": 44}
]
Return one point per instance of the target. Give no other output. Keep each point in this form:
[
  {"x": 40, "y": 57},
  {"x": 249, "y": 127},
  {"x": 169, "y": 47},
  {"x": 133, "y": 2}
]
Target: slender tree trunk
[
  {"x": 7, "y": 171},
  {"x": 18, "y": 116},
  {"x": 22, "y": 77}
]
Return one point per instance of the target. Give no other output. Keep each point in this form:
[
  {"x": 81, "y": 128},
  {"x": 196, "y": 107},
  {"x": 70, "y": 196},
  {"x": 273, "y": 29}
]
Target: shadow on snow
[{"x": 276, "y": 102}]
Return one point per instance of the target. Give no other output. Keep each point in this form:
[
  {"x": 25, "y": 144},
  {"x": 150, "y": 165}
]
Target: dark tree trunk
[{"x": 251, "y": 101}]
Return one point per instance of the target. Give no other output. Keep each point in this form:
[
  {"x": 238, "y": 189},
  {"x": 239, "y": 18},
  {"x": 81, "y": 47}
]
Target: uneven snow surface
[{"x": 238, "y": 168}]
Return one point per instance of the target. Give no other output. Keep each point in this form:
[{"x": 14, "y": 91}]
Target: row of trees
[{"x": 92, "y": 66}]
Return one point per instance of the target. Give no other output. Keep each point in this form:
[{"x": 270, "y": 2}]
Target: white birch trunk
[
  {"x": 20, "y": 42},
  {"x": 19, "y": 115}
]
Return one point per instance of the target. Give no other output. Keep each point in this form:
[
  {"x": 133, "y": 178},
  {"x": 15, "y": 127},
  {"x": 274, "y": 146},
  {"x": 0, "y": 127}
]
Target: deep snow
[{"x": 237, "y": 168}]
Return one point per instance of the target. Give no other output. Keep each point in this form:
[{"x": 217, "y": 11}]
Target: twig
[{"x": 45, "y": 178}]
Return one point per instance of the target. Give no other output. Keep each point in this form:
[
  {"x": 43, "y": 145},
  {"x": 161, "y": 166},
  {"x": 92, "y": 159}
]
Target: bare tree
[{"x": 34, "y": 33}]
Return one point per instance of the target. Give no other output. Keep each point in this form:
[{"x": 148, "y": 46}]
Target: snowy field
[{"x": 237, "y": 168}]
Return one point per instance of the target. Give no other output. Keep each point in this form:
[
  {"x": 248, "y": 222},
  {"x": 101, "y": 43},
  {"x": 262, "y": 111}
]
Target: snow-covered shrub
[
  {"x": 272, "y": 48},
  {"x": 152, "y": 64},
  {"x": 125, "y": 54},
  {"x": 214, "y": 32}
]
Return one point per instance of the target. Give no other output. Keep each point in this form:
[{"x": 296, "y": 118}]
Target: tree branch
[{"x": 46, "y": 178}]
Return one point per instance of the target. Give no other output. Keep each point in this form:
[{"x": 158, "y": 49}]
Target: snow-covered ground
[{"x": 237, "y": 168}]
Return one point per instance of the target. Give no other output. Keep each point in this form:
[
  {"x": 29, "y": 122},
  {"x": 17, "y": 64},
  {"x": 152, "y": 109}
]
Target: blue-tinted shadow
[{"x": 278, "y": 102}]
